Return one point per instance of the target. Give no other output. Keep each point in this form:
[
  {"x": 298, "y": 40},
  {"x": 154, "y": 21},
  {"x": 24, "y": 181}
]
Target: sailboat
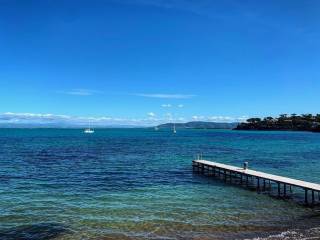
[
  {"x": 174, "y": 128},
  {"x": 89, "y": 130}
]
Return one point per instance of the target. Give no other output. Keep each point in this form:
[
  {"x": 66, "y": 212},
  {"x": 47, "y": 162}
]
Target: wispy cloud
[
  {"x": 31, "y": 116},
  {"x": 219, "y": 118},
  {"x": 205, "y": 8},
  {"x": 198, "y": 118},
  {"x": 184, "y": 5},
  {"x": 81, "y": 92},
  {"x": 245, "y": 11},
  {"x": 65, "y": 120},
  {"x": 226, "y": 119},
  {"x": 170, "y": 105},
  {"x": 166, "y": 105},
  {"x": 168, "y": 96}
]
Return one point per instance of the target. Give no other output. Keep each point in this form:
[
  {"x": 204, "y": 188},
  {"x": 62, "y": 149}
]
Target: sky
[{"x": 141, "y": 62}]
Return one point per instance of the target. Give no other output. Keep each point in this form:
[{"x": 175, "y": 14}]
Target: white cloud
[
  {"x": 81, "y": 92},
  {"x": 169, "y": 105},
  {"x": 26, "y": 116},
  {"x": 169, "y": 96},
  {"x": 220, "y": 118},
  {"x": 166, "y": 105},
  {"x": 104, "y": 121},
  {"x": 242, "y": 118},
  {"x": 39, "y": 119},
  {"x": 64, "y": 120},
  {"x": 227, "y": 119},
  {"x": 151, "y": 114},
  {"x": 198, "y": 118}
]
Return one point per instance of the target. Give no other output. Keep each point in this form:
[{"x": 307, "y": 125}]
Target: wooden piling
[
  {"x": 312, "y": 195},
  {"x": 306, "y": 196},
  {"x": 284, "y": 190}
]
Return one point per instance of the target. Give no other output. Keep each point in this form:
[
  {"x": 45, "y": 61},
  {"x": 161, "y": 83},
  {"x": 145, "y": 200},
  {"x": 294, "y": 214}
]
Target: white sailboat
[
  {"x": 89, "y": 130},
  {"x": 174, "y": 128}
]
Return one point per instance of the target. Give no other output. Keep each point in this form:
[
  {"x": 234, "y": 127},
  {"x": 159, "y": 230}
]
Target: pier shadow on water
[{"x": 41, "y": 231}]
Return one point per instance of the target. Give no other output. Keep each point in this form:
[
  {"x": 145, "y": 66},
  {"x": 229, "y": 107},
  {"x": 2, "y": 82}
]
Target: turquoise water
[{"x": 139, "y": 184}]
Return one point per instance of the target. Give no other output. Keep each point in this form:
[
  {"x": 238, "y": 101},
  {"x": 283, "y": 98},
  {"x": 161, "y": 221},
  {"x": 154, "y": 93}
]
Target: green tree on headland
[
  {"x": 254, "y": 120},
  {"x": 295, "y": 122},
  {"x": 268, "y": 119}
]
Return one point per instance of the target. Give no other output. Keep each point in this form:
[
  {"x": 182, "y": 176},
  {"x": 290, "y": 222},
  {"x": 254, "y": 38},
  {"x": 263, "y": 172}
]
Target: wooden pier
[{"x": 261, "y": 181}]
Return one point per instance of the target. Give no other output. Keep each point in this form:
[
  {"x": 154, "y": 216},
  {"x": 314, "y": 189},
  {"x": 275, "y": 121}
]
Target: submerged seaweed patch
[{"x": 41, "y": 231}]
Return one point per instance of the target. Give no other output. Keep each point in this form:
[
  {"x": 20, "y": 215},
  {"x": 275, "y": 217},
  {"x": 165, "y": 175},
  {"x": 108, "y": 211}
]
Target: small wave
[{"x": 294, "y": 234}]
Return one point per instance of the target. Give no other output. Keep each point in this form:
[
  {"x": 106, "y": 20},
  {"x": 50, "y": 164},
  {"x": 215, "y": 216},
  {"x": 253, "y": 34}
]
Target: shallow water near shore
[{"x": 139, "y": 184}]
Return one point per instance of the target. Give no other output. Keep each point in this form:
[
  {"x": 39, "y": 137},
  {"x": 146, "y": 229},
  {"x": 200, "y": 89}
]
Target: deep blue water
[{"x": 138, "y": 183}]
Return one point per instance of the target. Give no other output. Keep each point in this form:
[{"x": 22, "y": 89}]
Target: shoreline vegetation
[{"x": 285, "y": 122}]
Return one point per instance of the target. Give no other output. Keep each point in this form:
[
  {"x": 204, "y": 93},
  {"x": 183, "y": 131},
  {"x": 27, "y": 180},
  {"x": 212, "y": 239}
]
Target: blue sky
[{"x": 145, "y": 61}]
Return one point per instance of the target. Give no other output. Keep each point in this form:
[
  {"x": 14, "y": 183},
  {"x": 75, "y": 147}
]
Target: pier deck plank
[{"x": 267, "y": 176}]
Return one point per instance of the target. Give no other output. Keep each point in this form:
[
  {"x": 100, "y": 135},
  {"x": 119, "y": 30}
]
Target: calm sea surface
[{"x": 139, "y": 184}]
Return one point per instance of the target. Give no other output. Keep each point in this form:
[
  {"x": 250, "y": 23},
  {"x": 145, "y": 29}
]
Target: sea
[{"x": 135, "y": 183}]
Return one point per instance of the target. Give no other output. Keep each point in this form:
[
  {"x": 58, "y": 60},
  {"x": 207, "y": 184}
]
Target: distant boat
[
  {"x": 88, "y": 130},
  {"x": 174, "y": 128},
  {"x": 156, "y": 128}
]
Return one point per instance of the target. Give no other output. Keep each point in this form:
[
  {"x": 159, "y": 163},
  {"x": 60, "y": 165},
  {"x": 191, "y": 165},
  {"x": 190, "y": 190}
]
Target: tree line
[{"x": 294, "y": 122}]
